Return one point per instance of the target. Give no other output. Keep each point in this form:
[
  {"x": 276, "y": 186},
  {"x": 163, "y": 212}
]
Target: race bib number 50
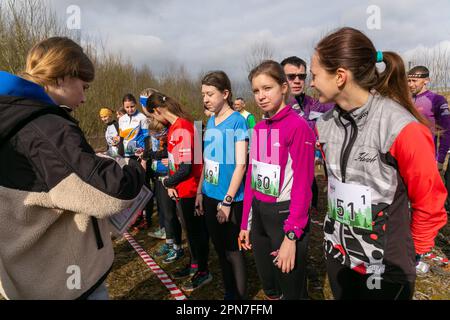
[
  {"x": 266, "y": 178},
  {"x": 350, "y": 204}
]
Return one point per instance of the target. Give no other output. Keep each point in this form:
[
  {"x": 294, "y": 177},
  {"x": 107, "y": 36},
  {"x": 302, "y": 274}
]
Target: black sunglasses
[{"x": 292, "y": 76}]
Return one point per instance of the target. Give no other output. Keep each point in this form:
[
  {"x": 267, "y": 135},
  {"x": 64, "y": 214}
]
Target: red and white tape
[
  {"x": 434, "y": 257},
  {"x": 176, "y": 293},
  {"x": 317, "y": 222}
]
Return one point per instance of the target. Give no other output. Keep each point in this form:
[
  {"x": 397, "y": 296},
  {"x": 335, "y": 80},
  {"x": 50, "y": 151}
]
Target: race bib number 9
[
  {"x": 350, "y": 204},
  {"x": 212, "y": 172},
  {"x": 266, "y": 178},
  {"x": 171, "y": 162}
]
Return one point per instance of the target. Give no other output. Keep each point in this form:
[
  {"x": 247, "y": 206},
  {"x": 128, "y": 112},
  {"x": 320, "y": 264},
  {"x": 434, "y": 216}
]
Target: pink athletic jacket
[{"x": 287, "y": 141}]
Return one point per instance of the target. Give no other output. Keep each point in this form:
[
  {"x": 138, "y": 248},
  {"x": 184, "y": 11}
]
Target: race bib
[
  {"x": 131, "y": 147},
  {"x": 350, "y": 204},
  {"x": 266, "y": 178},
  {"x": 212, "y": 172},
  {"x": 171, "y": 162}
]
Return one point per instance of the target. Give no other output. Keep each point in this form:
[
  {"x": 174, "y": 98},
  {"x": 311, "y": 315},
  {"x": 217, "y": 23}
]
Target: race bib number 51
[
  {"x": 266, "y": 178},
  {"x": 350, "y": 204}
]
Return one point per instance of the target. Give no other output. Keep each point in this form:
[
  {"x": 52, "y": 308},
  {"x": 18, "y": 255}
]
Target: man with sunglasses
[{"x": 306, "y": 106}]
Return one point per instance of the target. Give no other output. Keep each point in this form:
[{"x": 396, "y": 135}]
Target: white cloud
[{"x": 218, "y": 34}]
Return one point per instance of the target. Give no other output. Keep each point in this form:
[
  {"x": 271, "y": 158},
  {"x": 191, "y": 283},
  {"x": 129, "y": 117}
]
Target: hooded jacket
[
  {"x": 55, "y": 196},
  {"x": 284, "y": 140}
]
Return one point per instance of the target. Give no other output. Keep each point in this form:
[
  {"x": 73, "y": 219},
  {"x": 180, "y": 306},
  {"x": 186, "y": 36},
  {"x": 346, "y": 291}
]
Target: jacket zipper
[
  {"x": 345, "y": 154},
  {"x": 269, "y": 123},
  {"x": 346, "y": 150}
]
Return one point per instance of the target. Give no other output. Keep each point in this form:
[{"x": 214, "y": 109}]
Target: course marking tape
[
  {"x": 436, "y": 258},
  {"x": 317, "y": 222},
  {"x": 163, "y": 277}
]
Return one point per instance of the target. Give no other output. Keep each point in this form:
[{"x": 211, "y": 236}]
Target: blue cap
[
  {"x": 379, "y": 56},
  {"x": 143, "y": 101}
]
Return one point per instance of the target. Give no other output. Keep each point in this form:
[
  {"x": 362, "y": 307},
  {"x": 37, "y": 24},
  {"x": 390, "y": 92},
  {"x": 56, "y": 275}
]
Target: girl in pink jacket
[{"x": 277, "y": 194}]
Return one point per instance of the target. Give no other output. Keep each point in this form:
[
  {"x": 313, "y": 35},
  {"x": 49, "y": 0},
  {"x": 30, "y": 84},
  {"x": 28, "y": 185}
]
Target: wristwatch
[
  {"x": 228, "y": 199},
  {"x": 222, "y": 204},
  {"x": 291, "y": 235},
  {"x": 163, "y": 180}
]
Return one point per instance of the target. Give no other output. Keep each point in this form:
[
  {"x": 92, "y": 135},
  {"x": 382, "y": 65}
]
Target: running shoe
[
  {"x": 198, "y": 280},
  {"x": 173, "y": 255}
]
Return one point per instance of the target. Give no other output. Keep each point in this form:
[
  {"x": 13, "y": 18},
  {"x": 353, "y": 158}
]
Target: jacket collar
[
  {"x": 359, "y": 114},
  {"x": 11, "y": 85},
  {"x": 280, "y": 115},
  {"x": 422, "y": 94}
]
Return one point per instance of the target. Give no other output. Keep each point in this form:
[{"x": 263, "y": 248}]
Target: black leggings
[
  {"x": 168, "y": 210},
  {"x": 347, "y": 284},
  {"x": 266, "y": 236},
  {"x": 315, "y": 194},
  {"x": 225, "y": 240},
  {"x": 447, "y": 186},
  {"x": 151, "y": 184},
  {"x": 196, "y": 233}
]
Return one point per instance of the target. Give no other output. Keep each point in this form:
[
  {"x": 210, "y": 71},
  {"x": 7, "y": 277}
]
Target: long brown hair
[
  {"x": 220, "y": 80},
  {"x": 350, "y": 49},
  {"x": 160, "y": 100},
  {"x": 271, "y": 69}
]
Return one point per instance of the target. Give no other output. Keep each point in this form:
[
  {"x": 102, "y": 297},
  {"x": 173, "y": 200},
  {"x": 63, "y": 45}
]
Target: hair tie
[{"x": 379, "y": 56}]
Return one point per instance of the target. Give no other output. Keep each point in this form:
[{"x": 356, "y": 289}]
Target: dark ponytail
[
  {"x": 160, "y": 100},
  {"x": 393, "y": 83},
  {"x": 350, "y": 49}
]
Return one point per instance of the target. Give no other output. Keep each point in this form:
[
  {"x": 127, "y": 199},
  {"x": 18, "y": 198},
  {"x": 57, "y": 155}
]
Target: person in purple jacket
[
  {"x": 275, "y": 220},
  {"x": 433, "y": 106},
  {"x": 306, "y": 106}
]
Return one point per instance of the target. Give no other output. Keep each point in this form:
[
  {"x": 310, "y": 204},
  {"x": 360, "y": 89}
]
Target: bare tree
[
  {"x": 259, "y": 51},
  {"x": 437, "y": 60},
  {"x": 23, "y": 23}
]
